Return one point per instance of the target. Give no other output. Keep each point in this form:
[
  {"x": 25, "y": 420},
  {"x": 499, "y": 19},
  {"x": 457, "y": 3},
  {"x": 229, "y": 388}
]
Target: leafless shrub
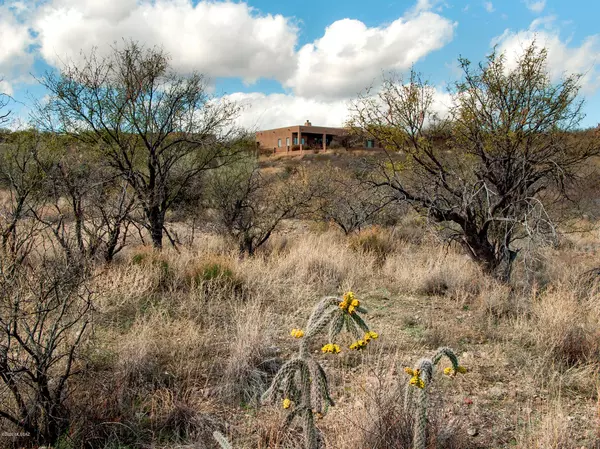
[
  {"x": 22, "y": 177},
  {"x": 348, "y": 202},
  {"x": 45, "y": 319},
  {"x": 250, "y": 206},
  {"x": 92, "y": 209}
]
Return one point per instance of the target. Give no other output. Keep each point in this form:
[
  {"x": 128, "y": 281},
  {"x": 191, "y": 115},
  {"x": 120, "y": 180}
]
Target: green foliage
[
  {"x": 138, "y": 259},
  {"x": 157, "y": 129},
  {"x": 489, "y": 170},
  {"x": 417, "y": 392},
  {"x": 302, "y": 383},
  {"x": 212, "y": 271},
  {"x": 152, "y": 258},
  {"x": 217, "y": 272}
]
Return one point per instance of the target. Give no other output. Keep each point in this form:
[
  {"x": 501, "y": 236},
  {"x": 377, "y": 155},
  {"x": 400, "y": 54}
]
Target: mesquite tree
[
  {"x": 4, "y": 113},
  {"x": 21, "y": 178},
  {"x": 250, "y": 206},
  {"x": 488, "y": 170},
  {"x": 347, "y": 201},
  {"x": 159, "y": 129},
  {"x": 92, "y": 208}
]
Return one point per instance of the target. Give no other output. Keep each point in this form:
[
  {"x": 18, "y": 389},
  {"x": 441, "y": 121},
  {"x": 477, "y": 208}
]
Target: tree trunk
[
  {"x": 503, "y": 270},
  {"x": 481, "y": 251},
  {"x": 156, "y": 220},
  {"x": 112, "y": 243},
  {"x": 246, "y": 246},
  {"x": 495, "y": 263}
]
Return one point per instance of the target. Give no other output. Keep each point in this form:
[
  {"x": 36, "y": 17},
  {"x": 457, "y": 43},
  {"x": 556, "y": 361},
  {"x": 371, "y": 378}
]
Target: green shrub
[
  {"x": 216, "y": 272},
  {"x": 138, "y": 259}
]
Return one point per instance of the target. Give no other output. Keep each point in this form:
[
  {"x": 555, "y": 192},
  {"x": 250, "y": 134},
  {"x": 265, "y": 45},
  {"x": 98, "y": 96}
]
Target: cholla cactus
[
  {"x": 417, "y": 390},
  {"x": 301, "y": 384},
  {"x": 221, "y": 440}
]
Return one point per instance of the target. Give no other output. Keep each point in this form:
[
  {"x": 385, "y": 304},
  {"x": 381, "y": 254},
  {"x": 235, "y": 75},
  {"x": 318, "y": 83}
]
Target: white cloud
[
  {"x": 229, "y": 38},
  {"x": 425, "y": 5},
  {"x": 489, "y": 7},
  {"x": 350, "y": 56},
  {"x": 266, "y": 111},
  {"x": 535, "y": 6},
  {"x": 15, "y": 57},
  {"x": 215, "y": 38},
  {"x": 6, "y": 88},
  {"x": 562, "y": 58}
]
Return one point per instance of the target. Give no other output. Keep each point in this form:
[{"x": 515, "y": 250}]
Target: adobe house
[{"x": 305, "y": 137}]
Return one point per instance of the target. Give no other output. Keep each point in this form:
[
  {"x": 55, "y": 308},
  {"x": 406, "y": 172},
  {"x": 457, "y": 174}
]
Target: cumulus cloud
[
  {"x": 425, "y": 5},
  {"x": 489, "y": 7},
  {"x": 5, "y": 88},
  {"x": 15, "y": 40},
  {"x": 535, "y": 6},
  {"x": 562, "y": 58},
  {"x": 228, "y": 38},
  {"x": 216, "y": 38},
  {"x": 350, "y": 55},
  {"x": 265, "y": 111}
]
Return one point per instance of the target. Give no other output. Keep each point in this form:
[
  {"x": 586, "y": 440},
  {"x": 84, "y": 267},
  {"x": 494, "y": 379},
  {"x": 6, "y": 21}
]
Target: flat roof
[{"x": 308, "y": 129}]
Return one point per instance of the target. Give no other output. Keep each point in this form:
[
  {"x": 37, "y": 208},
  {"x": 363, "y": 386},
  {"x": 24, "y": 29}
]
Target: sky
[{"x": 290, "y": 61}]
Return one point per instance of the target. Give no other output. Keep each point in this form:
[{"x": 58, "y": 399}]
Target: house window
[
  {"x": 295, "y": 141},
  {"x": 370, "y": 144},
  {"x": 287, "y": 141},
  {"x": 303, "y": 141},
  {"x": 279, "y": 143}
]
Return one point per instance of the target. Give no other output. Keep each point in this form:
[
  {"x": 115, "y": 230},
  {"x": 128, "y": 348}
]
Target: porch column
[
  {"x": 324, "y": 142},
  {"x": 300, "y": 141}
]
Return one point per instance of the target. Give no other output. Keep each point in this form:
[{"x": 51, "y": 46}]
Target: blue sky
[{"x": 289, "y": 61}]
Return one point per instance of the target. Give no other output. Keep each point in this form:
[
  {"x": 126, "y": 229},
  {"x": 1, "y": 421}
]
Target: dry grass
[
  {"x": 553, "y": 430},
  {"x": 567, "y": 327},
  {"x": 186, "y": 341},
  {"x": 251, "y": 363}
]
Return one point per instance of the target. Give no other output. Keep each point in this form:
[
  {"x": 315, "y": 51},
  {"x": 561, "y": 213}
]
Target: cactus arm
[
  {"x": 319, "y": 323},
  {"x": 360, "y": 322},
  {"x": 221, "y": 440},
  {"x": 337, "y": 324},
  {"x": 449, "y": 353}
]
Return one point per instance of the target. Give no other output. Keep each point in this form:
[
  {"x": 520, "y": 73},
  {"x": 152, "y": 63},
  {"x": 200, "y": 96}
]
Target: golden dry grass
[{"x": 178, "y": 353}]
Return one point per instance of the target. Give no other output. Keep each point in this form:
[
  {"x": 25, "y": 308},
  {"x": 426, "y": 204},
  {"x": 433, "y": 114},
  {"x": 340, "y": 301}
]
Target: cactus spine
[
  {"x": 302, "y": 383},
  {"x": 218, "y": 436},
  {"x": 417, "y": 391}
]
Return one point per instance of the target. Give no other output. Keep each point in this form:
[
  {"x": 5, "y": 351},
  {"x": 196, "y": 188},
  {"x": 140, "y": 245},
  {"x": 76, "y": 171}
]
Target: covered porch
[{"x": 311, "y": 141}]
